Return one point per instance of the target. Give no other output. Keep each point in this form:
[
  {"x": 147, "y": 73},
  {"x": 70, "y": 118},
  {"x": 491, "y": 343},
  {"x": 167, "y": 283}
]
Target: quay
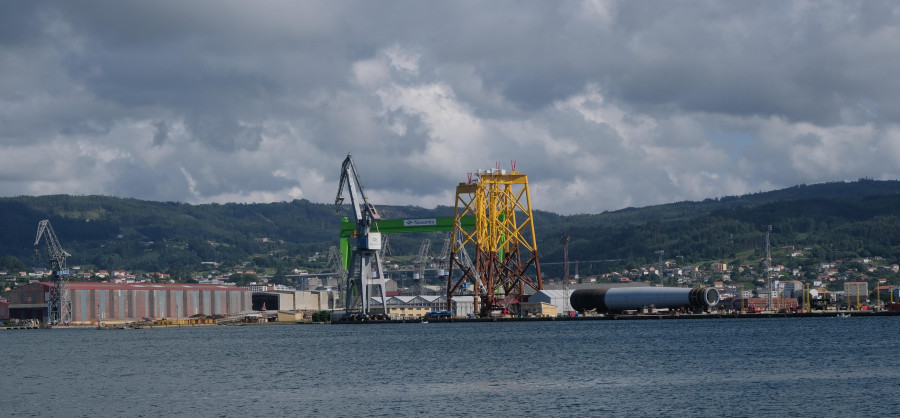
[
  {"x": 606, "y": 317},
  {"x": 634, "y": 317}
]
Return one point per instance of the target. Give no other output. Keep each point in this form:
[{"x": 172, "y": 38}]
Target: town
[{"x": 860, "y": 284}]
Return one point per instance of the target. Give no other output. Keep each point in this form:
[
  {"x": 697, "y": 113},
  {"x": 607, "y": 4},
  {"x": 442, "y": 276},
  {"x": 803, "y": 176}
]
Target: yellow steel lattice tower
[{"x": 503, "y": 240}]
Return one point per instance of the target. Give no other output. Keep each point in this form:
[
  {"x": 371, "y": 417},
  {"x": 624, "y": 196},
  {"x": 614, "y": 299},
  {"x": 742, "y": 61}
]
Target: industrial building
[
  {"x": 758, "y": 304},
  {"x": 114, "y": 302},
  {"x": 555, "y": 297},
  {"x": 538, "y": 309},
  {"x": 296, "y": 300},
  {"x": 414, "y": 307},
  {"x": 856, "y": 294}
]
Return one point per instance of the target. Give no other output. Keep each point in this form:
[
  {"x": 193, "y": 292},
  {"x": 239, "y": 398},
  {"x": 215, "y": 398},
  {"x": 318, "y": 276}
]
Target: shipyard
[
  {"x": 488, "y": 269},
  {"x": 600, "y": 208}
]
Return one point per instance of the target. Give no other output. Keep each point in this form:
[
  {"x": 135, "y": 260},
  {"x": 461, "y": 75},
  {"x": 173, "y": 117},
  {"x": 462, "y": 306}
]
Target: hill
[{"x": 832, "y": 220}]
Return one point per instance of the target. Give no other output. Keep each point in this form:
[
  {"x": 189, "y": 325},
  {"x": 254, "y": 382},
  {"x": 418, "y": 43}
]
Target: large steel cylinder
[{"x": 628, "y": 298}]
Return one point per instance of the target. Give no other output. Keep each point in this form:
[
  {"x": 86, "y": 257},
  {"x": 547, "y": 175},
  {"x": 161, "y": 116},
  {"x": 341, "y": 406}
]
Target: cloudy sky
[{"x": 604, "y": 104}]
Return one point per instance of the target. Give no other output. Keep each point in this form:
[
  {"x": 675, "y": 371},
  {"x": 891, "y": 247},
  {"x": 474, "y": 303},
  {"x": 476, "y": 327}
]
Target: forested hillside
[{"x": 835, "y": 220}]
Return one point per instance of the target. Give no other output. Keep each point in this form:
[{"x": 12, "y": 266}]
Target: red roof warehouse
[{"x": 132, "y": 301}]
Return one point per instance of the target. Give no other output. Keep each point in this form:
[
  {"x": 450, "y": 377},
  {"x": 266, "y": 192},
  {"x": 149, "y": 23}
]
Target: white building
[{"x": 558, "y": 298}]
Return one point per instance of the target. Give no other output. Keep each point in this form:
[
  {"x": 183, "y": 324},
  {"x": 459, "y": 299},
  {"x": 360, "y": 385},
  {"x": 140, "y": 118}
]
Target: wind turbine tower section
[{"x": 506, "y": 259}]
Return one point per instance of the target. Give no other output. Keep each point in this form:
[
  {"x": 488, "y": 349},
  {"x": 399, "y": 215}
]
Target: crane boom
[
  {"x": 366, "y": 270},
  {"x": 59, "y": 307},
  {"x": 367, "y": 214}
]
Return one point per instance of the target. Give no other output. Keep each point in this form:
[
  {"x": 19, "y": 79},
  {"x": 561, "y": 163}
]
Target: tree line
[{"x": 832, "y": 220}]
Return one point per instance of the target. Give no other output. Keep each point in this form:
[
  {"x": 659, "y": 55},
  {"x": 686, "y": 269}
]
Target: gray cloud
[{"x": 605, "y": 104}]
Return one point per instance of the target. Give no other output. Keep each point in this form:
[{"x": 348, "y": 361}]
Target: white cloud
[
  {"x": 604, "y": 104},
  {"x": 403, "y": 59}
]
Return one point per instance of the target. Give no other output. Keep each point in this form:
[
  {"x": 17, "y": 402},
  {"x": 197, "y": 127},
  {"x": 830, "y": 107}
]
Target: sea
[{"x": 766, "y": 367}]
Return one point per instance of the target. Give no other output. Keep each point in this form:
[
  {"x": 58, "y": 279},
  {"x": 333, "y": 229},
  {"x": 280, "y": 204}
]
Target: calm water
[{"x": 724, "y": 367}]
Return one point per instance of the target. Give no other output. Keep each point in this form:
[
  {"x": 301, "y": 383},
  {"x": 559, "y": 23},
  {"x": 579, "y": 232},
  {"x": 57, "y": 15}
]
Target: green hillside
[{"x": 834, "y": 220}]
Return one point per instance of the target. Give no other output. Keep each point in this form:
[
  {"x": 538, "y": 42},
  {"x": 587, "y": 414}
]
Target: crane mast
[
  {"x": 366, "y": 271},
  {"x": 60, "y": 304},
  {"x": 419, "y": 272}
]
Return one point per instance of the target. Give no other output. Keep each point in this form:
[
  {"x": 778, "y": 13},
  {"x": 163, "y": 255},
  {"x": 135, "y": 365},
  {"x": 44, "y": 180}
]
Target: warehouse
[
  {"x": 133, "y": 301},
  {"x": 558, "y": 298},
  {"x": 295, "y": 300}
]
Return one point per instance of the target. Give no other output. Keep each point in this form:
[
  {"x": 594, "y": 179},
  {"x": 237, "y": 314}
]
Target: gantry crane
[
  {"x": 60, "y": 304},
  {"x": 366, "y": 271}
]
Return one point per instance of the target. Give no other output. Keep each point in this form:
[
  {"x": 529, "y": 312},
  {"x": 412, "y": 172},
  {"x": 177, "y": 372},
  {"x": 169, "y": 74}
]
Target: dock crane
[
  {"x": 60, "y": 303},
  {"x": 366, "y": 270},
  {"x": 419, "y": 263}
]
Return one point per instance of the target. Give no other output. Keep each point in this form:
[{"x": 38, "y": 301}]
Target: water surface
[{"x": 709, "y": 367}]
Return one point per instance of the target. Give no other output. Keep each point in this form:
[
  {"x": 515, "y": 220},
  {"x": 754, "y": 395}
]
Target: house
[{"x": 538, "y": 309}]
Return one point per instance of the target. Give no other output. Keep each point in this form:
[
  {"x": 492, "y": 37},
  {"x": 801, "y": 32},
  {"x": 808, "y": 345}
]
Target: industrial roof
[
  {"x": 555, "y": 293},
  {"x": 149, "y": 286}
]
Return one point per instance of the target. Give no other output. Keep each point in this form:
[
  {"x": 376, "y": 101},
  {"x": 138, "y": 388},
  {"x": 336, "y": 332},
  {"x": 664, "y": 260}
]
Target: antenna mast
[
  {"x": 660, "y": 272},
  {"x": 768, "y": 269}
]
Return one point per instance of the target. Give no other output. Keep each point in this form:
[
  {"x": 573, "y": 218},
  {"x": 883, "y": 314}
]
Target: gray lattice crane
[
  {"x": 564, "y": 239},
  {"x": 335, "y": 264},
  {"x": 366, "y": 271},
  {"x": 444, "y": 257},
  {"x": 386, "y": 246},
  {"x": 60, "y": 304},
  {"x": 420, "y": 263},
  {"x": 769, "y": 306}
]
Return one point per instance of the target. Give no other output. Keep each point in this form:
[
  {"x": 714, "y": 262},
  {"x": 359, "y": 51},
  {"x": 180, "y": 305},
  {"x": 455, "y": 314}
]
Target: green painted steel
[{"x": 394, "y": 226}]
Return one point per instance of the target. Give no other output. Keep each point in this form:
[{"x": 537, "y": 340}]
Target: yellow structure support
[{"x": 503, "y": 241}]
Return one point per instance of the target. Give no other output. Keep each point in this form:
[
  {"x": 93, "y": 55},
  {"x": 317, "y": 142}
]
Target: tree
[
  {"x": 12, "y": 263},
  {"x": 321, "y": 316},
  {"x": 179, "y": 273},
  {"x": 279, "y": 278},
  {"x": 736, "y": 272},
  {"x": 242, "y": 279}
]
